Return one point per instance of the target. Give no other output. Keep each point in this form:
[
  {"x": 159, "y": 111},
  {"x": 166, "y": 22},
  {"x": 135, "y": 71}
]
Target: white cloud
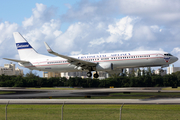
[
  {"x": 141, "y": 48},
  {"x": 152, "y": 11},
  {"x": 118, "y": 31},
  {"x": 6, "y": 30},
  {"x": 65, "y": 41},
  {"x": 28, "y": 22},
  {"x": 155, "y": 28},
  {"x": 68, "y": 6},
  {"x": 160, "y": 49},
  {"x": 41, "y": 26},
  {"x": 122, "y": 28},
  {"x": 163, "y": 11},
  {"x": 97, "y": 42},
  {"x": 176, "y": 50},
  {"x": 41, "y": 14},
  {"x": 143, "y": 33},
  {"x": 76, "y": 52}
]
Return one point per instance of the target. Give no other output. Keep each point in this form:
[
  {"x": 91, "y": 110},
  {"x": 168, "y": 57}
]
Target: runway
[
  {"x": 22, "y": 93},
  {"x": 31, "y": 96},
  {"x": 90, "y": 101}
]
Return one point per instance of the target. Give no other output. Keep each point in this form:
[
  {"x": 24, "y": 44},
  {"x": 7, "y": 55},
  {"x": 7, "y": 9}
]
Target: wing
[
  {"x": 20, "y": 61},
  {"x": 74, "y": 61}
]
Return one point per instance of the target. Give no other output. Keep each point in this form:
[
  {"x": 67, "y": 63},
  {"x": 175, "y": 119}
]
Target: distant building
[
  {"x": 9, "y": 69},
  {"x": 51, "y": 74},
  {"x": 65, "y": 74},
  {"x": 160, "y": 72},
  {"x": 131, "y": 70},
  {"x": 81, "y": 74},
  {"x": 171, "y": 69},
  {"x": 102, "y": 75}
]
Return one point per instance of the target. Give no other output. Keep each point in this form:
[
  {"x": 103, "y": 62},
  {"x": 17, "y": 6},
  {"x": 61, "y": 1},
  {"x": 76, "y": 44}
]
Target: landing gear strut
[
  {"x": 96, "y": 75},
  {"x": 89, "y": 74}
]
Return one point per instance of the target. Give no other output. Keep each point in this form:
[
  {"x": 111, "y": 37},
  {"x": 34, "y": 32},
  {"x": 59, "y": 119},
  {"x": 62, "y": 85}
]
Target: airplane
[{"x": 108, "y": 62}]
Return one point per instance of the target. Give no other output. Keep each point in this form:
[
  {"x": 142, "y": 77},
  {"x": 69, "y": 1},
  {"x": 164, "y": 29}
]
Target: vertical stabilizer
[{"x": 25, "y": 50}]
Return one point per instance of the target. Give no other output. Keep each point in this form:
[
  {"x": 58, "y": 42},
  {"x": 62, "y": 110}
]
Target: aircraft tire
[
  {"x": 96, "y": 75},
  {"x": 89, "y": 74}
]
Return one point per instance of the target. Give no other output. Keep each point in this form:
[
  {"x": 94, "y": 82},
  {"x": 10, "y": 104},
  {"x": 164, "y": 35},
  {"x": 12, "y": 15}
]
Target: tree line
[{"x": 141, "y": 80}]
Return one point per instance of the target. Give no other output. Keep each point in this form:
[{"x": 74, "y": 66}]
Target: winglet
[{"x": 48, "y": 48}]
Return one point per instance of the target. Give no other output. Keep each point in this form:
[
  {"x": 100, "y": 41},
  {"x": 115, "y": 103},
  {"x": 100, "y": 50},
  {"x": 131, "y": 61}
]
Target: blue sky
[
  {"x": 91, "y": 26},
  {"x": 16, "y": 11}
]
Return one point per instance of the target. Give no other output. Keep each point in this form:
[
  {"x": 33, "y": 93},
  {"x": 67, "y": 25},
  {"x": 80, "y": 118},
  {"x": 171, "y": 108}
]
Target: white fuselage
[{"x": 119, "y": 60}]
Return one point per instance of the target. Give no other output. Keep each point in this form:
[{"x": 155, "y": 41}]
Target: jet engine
[{"x": 106, "y": 66}]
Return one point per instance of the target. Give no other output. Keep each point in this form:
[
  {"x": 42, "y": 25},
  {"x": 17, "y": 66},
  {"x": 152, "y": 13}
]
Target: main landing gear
[
  {"x": 96, "y": 75},
  {"x": 89, "y": 74}
]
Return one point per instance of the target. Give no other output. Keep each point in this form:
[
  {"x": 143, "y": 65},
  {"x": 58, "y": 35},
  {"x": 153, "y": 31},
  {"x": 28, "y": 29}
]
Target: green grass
[
  {"x": 90, "y": 112},
  {"x": 151, "y": 112},
  {"x": 6, "y": 92}
]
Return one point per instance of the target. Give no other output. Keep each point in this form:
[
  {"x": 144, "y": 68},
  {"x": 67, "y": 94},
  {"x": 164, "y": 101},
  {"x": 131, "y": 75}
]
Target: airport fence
[{"x": 88, "y": 112}]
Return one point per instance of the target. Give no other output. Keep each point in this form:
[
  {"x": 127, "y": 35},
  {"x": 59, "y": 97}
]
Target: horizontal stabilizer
[{"x": 21, "y": 61}]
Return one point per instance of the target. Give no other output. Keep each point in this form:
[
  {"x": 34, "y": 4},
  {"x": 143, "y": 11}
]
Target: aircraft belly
[
  {"x": 137, "y": 63},
  {"x": 59, "y": 68}
]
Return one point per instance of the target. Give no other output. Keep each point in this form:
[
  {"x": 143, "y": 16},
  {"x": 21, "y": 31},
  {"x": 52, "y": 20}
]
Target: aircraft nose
[{"x": 176, "y": 58}]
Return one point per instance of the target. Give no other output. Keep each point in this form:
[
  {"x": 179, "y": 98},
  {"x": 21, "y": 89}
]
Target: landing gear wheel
[
  {"x": 89, "y": 74},
  {"x": 96, "y": 75}
]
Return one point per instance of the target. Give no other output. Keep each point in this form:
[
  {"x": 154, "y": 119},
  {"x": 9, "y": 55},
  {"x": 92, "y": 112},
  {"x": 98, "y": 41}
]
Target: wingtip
[{"x": 47, "y": 47}]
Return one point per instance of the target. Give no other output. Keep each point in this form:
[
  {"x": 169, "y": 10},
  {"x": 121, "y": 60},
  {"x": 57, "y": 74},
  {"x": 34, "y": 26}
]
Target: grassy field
[
  {"x": 90, "y": 112},
  {"x": 6, "y": 92}
]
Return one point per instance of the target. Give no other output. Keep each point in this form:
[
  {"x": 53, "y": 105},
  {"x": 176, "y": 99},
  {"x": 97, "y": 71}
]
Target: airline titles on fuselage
[{"x": 100, "y": 56}]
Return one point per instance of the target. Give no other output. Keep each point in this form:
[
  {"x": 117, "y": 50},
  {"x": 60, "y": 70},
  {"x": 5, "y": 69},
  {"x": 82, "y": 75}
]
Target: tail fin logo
[{"x": 24, "y": 45}]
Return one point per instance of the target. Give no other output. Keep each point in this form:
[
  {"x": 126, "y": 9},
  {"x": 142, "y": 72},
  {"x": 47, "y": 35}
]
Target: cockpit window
[{"x": 167, "y": 54}]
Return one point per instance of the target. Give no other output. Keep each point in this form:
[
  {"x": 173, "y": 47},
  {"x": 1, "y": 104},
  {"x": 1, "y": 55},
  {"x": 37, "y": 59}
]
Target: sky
[{"x": 75, "y": 27}]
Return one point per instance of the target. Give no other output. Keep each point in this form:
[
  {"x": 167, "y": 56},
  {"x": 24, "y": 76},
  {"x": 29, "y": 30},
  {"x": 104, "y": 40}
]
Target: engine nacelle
[
  {"x": 105, "y": 66},
  {"x": 80, "y": 68}
]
